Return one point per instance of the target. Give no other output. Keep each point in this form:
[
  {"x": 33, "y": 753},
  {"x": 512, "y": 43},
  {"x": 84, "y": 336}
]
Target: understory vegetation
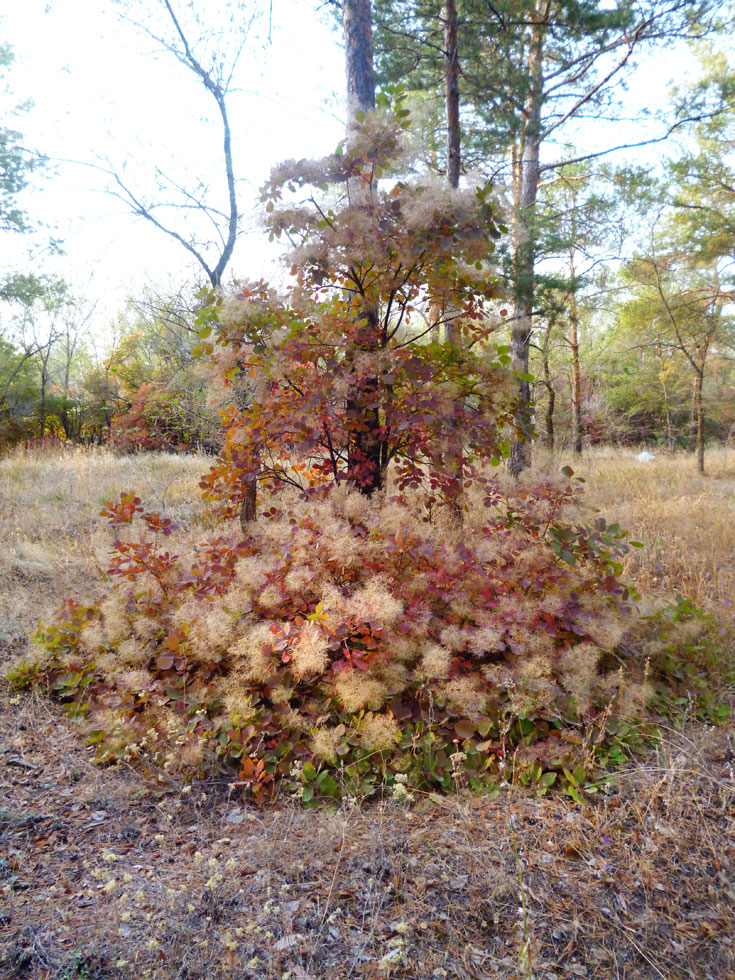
[
  {"x": 114, "y": 872},
  {"x": 349, "y": 645},
  {"x": 394, "y": 615}
]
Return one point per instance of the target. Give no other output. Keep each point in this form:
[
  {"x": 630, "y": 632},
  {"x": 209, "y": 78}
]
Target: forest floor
[{"x": 106, "y": 875}]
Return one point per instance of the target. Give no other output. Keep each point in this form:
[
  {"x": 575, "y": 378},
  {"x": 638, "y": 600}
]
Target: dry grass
[
  {"x": 685, "y": 521},
  {"x": 52, "y": 540},
  {"x": 105, "y": 874}
]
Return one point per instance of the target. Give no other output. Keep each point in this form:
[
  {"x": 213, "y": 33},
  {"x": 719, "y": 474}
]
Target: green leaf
[
  {"x": 548, "y": 779},
  {"x": 526, "y": 726},
  {"x": 309, "y": 770},
  {"x": 327, "y": 785}
]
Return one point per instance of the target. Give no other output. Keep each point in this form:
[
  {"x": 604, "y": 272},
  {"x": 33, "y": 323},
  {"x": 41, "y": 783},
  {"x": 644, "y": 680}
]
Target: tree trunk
[
  {"x": 576, "y": 374},
  {"x": 249, "y": 501},
  {"x": 43, "y": 408},
  {"x": 452, "y": 450},
  {"x": 525, "y": 187},
  {"x": 699, "y": 413},
  {"x": 551, "y": 404},
  {"x": 365, "y": 457},
  {"x": 692, "y": 440},
  {"x": 44, "y": 387},
  {"x": 451, "y": 60},
  {"x": 358, "y": 31},
  {"x": 69, "y": 349},
  {"x": 667, "y": 407}
]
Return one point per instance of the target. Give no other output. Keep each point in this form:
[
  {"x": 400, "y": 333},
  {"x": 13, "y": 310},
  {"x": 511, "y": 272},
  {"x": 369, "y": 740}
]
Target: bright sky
[{"x": 103, "y": 91}]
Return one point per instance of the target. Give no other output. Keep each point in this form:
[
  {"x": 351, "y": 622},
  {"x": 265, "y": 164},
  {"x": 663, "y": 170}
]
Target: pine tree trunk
[
  {"x": 366, "y": 458},
  {"x": 551, "y": 404},
  {"x": 451, "y": 61},
  {"x": 526, "y": 175},
  {"x": 453, "y": 455},
  {"x": 358, "y": 31},
  {"x": 576, "y": 374}
]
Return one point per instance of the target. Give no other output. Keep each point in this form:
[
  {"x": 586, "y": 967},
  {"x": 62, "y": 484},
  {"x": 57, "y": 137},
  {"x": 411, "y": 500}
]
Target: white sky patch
[{"x": 102, "y": 91}]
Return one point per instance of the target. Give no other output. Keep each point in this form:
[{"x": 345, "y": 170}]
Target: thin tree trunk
[
  {"x": 551, "y": 404},
  {"x": 576, "y": 374},
  {"x": 451, "y": 61},
  {"x": 249, "y": 501},
  {"x": 218, "y": 90},
  {"x": 526, "y": 180},
  {"x": 693, "y": 417},
  {"x": 699, "y": 411},
  {"x": 667, "y": 407},
  {"x": 43, "y": 407},
  {"x": 65, "y": 421},
  {"x": 453, "y": 456},
  {"x": 44, "y": 387}
]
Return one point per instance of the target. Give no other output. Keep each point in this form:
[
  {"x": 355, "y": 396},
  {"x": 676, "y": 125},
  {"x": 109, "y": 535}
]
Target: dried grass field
[{"x": 104, "y": 874}]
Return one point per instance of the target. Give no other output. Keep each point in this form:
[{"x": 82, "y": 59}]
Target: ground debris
[{"x": 639, "y": 884}]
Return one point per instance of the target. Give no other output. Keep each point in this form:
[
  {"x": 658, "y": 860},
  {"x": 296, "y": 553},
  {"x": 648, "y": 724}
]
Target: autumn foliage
[{"x": 396, "y": 615}]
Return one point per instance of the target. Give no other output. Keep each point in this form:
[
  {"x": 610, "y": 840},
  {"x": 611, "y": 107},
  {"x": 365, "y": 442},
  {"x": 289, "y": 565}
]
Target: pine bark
[
  {"x": 453, "y": 455},
  {"x": 451, "y": 60},
  {"x": 366, "y": 455},
  {"x": 358, "y": 32},
  {"x": 576, "y": 373},
  {"x": 526, "y": 174},
  {"x": 548, "y": 384}
]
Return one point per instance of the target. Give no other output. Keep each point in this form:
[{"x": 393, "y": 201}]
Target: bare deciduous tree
[{"x": 212, "y": 57}]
